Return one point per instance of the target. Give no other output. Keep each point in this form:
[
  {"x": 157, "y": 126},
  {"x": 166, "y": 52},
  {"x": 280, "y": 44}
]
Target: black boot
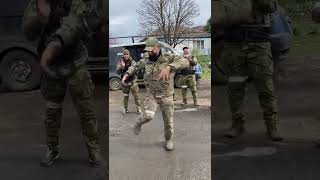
[
  {"x": 50, "y": 157},
  {"x": 235, "y": 132},
  {"x": 271, "y": 120},
  {"x": 273, "y": 133},
  {"x": 95, "y": 158}
]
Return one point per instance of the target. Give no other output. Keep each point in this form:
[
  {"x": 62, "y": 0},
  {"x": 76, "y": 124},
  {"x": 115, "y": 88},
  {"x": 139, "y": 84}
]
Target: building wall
[{"x": 190, "y": 43}]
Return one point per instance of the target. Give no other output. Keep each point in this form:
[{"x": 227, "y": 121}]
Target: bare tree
[{"x": 170, "y": 19}]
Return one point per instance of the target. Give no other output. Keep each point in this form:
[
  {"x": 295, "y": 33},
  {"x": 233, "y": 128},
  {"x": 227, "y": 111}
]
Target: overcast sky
[{"x": 123, "y": 19}]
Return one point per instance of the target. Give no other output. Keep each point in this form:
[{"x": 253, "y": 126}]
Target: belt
[
  {"x": 188, "y": 72},
  {"x": 247, "y": 35}
]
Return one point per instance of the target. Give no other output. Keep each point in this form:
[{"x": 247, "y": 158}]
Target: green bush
[{"x": 204, "y": 61}]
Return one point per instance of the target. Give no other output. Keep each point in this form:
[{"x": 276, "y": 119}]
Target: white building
[{"x": 200, "y": 41}]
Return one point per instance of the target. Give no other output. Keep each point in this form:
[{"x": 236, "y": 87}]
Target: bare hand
[
  {"x": 124, "y": 79},
  {"x": 123, "y": 64},
  {"x": 164, "y": 74},
  {"x": 43, "y": 8}
]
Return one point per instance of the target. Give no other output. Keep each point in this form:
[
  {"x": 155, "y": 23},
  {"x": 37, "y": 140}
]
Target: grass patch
[
  {"x": 306, "y": 40},
  {"x": 204, "y": 61}
]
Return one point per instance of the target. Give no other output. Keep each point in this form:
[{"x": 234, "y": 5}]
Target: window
[{"x": 198, "y": 44}]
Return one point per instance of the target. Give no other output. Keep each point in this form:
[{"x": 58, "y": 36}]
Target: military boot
[
  {"x": 168, "y": 136},
  {"x": 271, "y": 125},
  {"x": 273, "y": 133},
  {"x": 124, "y": 110},
  {"x": 138, "y": 110},
  {"x": 95, "y": 158},
  {"x": 184, "y": 101},
  {"x": 235, "y": 132},
  {"x": 195, "y": 102},
  {"x": 168, "y": 145},
  {"x": 50, "y": 157}
]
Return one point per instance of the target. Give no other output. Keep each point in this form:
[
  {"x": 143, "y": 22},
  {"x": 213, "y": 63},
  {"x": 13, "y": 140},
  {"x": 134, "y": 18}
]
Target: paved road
[
  {"x": 22, "y": 139},
  {"x": 143, "y": 157},
  {"x": 252, "y": 156}
]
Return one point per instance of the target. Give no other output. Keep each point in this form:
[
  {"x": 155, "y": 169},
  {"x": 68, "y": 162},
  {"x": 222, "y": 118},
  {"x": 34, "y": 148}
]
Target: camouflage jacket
[
  {"x": 160, "y": 88},
  {"x": 192, "y": 62},
  {"x": 121, "y": 70},
  {"x": 73, "y": 32},
  {"x": 252, "y": 13}
]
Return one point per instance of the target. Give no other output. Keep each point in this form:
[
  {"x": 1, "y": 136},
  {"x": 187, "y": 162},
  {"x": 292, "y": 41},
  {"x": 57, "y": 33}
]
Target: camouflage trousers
[
  {"x": 81, "y": 88},
  {"x": 134, "y": 88},
  {"x": 149, "y": 109},
  {"x": 189, "y": 81},
  {"x": 252, "y": 60}
]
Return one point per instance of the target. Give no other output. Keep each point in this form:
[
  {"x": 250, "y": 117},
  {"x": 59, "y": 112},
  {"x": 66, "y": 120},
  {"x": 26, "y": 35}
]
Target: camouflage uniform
[
  {"x": 130, "y": 85},
  {"x": 72, "y": 31},
  {"x": 159, "y": 92},
  {"x": 247, "y": 52},
  {"x": 189, "y": 80}
]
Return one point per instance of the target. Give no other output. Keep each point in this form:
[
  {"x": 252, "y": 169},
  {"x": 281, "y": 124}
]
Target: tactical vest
[
  {"x": 191, "y": 70},
  {"x": 261, "y": 14},
  {"x": 57, "y": 11},
  {"x": 76, "y": 55},
  {"x": 257, "y": 27},
  {"x": 229, "y": 13},
  {"x": 127, "y": 65}
]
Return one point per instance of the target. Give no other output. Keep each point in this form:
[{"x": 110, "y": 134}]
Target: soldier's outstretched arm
[
  {"x": 135, "y": 67},
  {"x": 32, "y": 22},
  {"x": 178, "y": 63}
]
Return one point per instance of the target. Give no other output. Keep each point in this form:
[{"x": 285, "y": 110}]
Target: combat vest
[
  {"x": 57, "y": 11},
  {"x": 74, "y": 56},
  {"x": 257, "y": 27},
  {"x": 261, "y": 14},
  {"x": 129, "y": 63},
  {"x": 230, "y": 13},
  {"x": 191, "y": 70}
]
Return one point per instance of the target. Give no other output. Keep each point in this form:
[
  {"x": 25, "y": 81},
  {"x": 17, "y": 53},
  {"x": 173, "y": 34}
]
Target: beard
[{"x": 153, "y": 57}]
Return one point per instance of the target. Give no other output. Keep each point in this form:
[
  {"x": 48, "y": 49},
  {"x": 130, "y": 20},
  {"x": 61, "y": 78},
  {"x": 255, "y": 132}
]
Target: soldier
[
  {"x": 64, "y": 26},
  {"x": 159, "y": 73},
  {"x": 123, "y": 64},
  {"x": 189, "y": 78},
  {"x": 247, "y": 53}
]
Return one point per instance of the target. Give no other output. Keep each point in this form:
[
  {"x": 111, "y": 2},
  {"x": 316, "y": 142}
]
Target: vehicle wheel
[
  {"x": 178, "y": 81},
  {"x": 115, "y": 83},
  {"x": 20, "y": 71}
]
